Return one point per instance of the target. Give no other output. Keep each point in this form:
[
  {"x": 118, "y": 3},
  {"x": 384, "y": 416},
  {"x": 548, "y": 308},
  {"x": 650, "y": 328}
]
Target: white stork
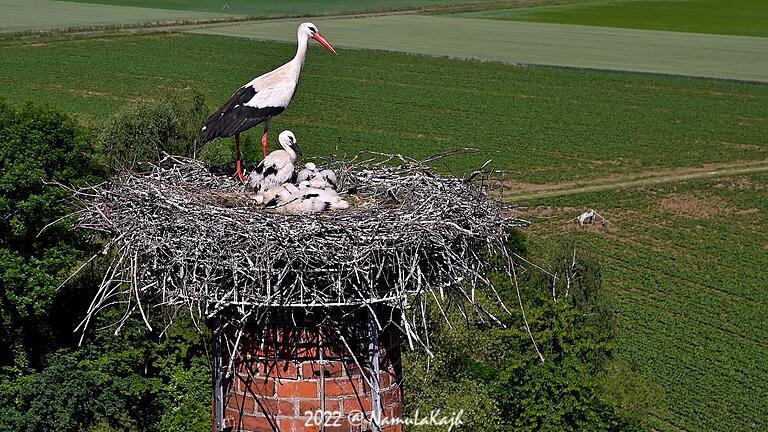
[
  {"x": 262, "y": 98},
  {"x": 277, "y": 167}
]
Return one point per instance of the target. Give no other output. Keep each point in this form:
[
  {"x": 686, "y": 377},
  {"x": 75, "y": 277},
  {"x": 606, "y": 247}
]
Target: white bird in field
[
  {"x": 277, "y": 167},
  {"x": 262, "y": 98}
]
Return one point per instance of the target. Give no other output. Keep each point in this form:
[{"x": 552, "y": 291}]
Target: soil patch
[{"x": 695, "y": 206}]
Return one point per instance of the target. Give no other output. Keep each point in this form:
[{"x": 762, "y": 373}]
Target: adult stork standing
[{"x": 262, "y": 98}]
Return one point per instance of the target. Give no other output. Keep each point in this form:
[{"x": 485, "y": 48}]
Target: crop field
[
  {"x": 685, "y": 264},
  {"x": 681, "y": 259},
  {"x": 732, "y": 57},
  {"x": 24, "y": 15},
  {"x": 734, "y": 17},
  {"x": 283, "y": 8},
  {"x": 547, "y": 125},
  {"x": 27, "y": 15}
]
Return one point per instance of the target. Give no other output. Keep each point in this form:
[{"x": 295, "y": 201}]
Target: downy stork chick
[
  {"x": 325, "y": 179},
  {"x": 277, "y": 167},
  {"x": 310, "y": 200},
  {"x": 279, "y": 194},
  {"x": 309, "y": 171}
]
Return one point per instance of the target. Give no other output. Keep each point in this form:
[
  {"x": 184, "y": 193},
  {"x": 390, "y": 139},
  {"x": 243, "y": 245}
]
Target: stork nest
[{"x": 185, "y": 238}]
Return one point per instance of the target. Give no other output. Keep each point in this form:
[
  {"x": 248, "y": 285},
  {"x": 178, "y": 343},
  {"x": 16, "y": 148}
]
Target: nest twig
[{"x": 182, "y": 237}]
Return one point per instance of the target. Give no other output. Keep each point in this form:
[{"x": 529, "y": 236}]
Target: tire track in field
[{"x": 637, "y": 180}]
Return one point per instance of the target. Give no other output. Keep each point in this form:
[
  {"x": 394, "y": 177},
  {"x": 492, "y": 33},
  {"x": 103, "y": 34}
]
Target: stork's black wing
[{"x": 235, "y": 117}]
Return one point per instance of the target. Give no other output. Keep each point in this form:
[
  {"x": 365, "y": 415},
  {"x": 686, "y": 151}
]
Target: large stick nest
[{"x": 183, "y": 237}]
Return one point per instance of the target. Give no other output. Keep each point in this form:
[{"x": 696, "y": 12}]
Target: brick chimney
[{"x": 296, "y": 373}]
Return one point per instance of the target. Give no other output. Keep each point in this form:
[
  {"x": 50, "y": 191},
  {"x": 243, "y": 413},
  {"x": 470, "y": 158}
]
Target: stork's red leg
[
  {"x": 264, "y": 142},
  {"x": 238, "y": 170}
]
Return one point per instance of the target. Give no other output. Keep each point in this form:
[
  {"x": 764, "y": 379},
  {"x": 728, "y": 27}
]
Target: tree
[
  {"x": 136, "y": 380},
  {"x": 495, "y": 375},
  {"x": 37, "y": 146}
]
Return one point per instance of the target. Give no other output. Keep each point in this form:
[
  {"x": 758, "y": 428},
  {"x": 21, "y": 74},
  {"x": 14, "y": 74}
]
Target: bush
[
  {"x": 144, "y": 130},
  {"x": 495, "y": 375}
]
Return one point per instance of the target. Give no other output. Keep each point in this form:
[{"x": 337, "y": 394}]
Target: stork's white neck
[
  {"x": 289, "y": 150},
  {"x": 301, "y": 50}
]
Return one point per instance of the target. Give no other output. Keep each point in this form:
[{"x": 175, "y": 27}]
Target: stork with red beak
[{"x": 262, "y": 98}]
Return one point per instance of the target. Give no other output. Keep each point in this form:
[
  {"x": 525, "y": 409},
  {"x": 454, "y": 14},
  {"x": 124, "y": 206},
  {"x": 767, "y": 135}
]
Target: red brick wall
[{"x": 278, "y": 380}]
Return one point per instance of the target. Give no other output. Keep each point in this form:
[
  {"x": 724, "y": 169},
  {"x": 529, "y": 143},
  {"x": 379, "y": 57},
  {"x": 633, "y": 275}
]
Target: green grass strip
[
  {"x": 711, "y": 56},
  {"x": 734, "y": 17}
]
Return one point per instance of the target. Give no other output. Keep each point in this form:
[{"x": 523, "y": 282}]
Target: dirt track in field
[{"x": 527, "y": 191}]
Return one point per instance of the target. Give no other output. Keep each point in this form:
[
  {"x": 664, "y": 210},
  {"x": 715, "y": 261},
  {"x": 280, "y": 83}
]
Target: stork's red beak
[{"x": 320, "y": 39}]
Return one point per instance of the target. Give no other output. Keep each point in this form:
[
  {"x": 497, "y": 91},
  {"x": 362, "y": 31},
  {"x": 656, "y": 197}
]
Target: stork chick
[
  {"x": 309, "y": 171},
  {"x": 308, "y": 200},
  {"x": 277, "y": 167},
  {"x": 325, "y": 179},
  {"x": 276, "y": 194}
]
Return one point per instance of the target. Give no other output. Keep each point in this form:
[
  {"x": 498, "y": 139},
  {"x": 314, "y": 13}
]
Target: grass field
[
  {"x": 24, "y": 15},
  {"x": 686, "y": 282},
  {"x": 541, "y": 44},
  {"x": 685, "y": 264},
  {"x": 731, "y": 17},
  {"x": 548, "y": 125},
  {"x": 283, "y": 8},
  {"x": 27, "y": 15}
]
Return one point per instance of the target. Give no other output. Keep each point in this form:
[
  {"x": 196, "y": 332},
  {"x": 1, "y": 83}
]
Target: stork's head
[
  {"x": 310, "y": 31},
  {"x": 289, "y": 143}
]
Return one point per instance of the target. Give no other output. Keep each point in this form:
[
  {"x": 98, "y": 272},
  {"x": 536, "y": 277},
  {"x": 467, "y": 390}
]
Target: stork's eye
[{"x": 313, "y": 30}]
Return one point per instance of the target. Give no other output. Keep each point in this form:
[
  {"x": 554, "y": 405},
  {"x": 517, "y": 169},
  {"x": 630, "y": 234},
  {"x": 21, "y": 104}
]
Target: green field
[
  {"x": 730, "y": 17},
  {"x": 283, "y": 8},
  {"x": 685, "y": 264},
  {"x": 25, "y": 15},
  {"x": 714, "y": 56},
  {"x": 548, "y": 125},
  {"x": 36, "y": 15},
  {"x": 682, "y": 260}
]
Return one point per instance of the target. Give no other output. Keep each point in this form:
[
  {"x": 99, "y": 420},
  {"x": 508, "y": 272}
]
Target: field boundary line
[{"x": 616, "y": 184}]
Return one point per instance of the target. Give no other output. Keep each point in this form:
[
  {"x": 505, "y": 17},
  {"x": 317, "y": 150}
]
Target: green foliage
[
  {"x": 186, "y": 401},
  {"x": 37, "y": 146},
  {"x": 145, "y": 130},
  {"x": 135, "y": 381},
  {"x": 496, "y": 376},
  {"x": 64, "y": 397},
  {"x": 123, "y": 382}
]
